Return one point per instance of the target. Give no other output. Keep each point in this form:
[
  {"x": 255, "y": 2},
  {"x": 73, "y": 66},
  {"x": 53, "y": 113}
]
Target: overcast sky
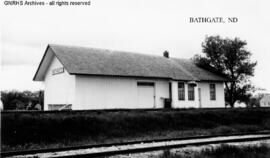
[{"x": 141, "y": 26}]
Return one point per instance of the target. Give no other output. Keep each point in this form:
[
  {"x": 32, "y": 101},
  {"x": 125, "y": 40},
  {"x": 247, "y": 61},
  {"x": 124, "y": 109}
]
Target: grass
[
  {"x": 224, "y": 151},
  {"x": 57, "y": 129}
]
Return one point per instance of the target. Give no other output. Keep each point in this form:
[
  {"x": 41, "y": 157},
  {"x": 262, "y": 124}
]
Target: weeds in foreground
[
  {"x": 39, "y": 130},
  {"x": 223, "y": 151}
]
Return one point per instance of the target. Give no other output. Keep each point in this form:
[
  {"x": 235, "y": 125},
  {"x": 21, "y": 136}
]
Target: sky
[{"x": 148, "y": 27}]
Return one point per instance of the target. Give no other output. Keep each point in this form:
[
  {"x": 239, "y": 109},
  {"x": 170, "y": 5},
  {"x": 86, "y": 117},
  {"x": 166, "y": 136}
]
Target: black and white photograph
[{"x": 135, "y": 79}]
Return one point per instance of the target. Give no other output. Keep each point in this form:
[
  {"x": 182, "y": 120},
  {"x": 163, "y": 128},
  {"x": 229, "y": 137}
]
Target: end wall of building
[
  {"x": 265, "y": 101},
  {"x": 59, "y": 88}
]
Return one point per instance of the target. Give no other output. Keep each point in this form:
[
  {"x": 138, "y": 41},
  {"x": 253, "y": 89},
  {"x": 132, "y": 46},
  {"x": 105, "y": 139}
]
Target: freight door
[{"x": 146, "y": 94}]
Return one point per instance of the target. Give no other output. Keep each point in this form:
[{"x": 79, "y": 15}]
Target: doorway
[{"x": 200, "y": 100}]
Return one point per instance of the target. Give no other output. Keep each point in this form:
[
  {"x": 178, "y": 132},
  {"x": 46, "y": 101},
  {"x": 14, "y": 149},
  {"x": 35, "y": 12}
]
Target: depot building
[{"x": 82, "y": 78}]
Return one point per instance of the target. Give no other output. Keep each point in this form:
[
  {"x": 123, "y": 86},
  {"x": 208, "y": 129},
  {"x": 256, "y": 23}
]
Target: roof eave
[{"x": 130, "y": 76}]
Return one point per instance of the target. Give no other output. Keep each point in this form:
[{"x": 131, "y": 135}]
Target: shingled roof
[{"x": 92, "y": 61}]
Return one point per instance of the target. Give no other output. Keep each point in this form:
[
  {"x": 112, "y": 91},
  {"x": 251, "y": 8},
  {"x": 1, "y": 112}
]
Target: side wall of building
[
  {"x": 176, "y": 103},
  {"x": 59, "y": 88},
  {"x": 202, "y": 98},
  {"x": 93, "y": 92},
  {"x": 219, "y": 102}
]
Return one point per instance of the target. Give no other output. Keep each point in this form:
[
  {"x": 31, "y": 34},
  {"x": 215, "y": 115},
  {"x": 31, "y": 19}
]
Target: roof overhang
[{"x": 44, "y": 64}]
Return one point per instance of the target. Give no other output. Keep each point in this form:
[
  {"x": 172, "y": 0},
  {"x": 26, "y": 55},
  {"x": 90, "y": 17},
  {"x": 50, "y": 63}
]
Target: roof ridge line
[{"x": 114, "y": 50}]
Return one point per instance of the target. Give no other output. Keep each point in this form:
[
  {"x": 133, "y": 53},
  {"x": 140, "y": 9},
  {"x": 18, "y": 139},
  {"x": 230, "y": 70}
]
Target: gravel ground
[
  {"x": 143, "y": 145},
  {"x": 186, "y": 151}
]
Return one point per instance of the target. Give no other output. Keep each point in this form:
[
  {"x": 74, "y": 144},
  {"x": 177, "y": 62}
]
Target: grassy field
[{"x": 57, "y": 129}]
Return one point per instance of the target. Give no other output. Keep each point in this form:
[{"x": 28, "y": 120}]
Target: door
[
  {"x": 146, "y": 95},
  {"x": 168, "y": 101},
  {"x": 200, "y": 100}
]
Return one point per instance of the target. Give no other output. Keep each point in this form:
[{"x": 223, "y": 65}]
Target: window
[
  {"x": 212, "y": 92},
  {"x": 191, "y": 92},
  {"x": 181, "y": 91}
]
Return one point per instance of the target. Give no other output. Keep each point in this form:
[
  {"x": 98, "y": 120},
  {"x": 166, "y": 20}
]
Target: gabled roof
[{"x": 92, "y": 61}]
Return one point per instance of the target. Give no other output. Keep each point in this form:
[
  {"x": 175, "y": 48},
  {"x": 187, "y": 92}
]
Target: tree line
[{"x": 25, "y": 100}]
